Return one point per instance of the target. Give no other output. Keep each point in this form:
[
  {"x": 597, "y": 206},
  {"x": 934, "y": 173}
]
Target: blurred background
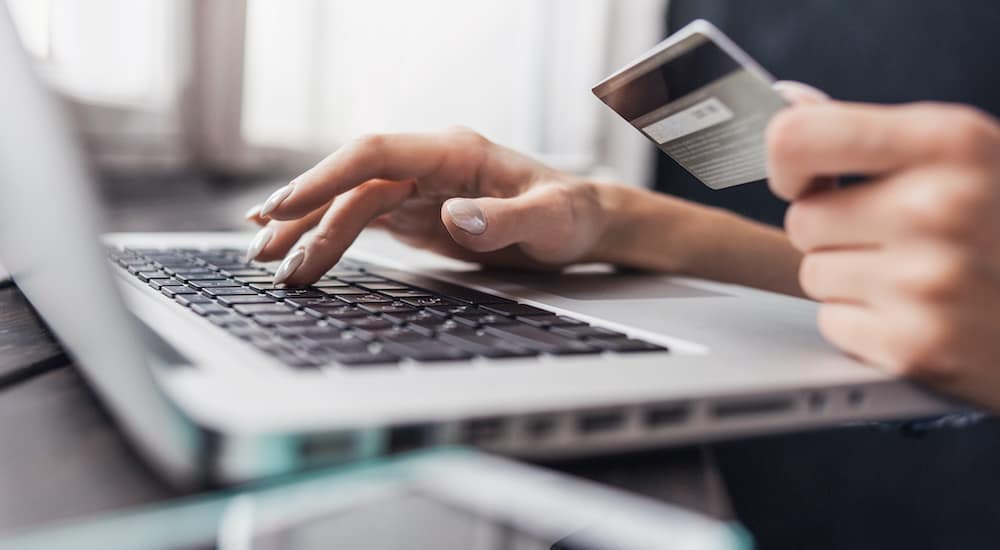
[{"x": 209, "y": 102}]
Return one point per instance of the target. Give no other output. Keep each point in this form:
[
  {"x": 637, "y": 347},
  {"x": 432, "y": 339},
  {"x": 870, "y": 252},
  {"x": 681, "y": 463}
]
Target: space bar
[{"x": 460, "y": 293}]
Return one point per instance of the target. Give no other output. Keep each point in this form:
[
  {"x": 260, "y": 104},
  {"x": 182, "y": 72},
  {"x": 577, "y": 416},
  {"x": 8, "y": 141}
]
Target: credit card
[{"x": 702, "y": 100}]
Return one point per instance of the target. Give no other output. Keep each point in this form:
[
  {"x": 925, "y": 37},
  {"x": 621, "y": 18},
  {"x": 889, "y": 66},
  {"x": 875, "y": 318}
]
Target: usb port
[
  {"x": 658, "y": 417},
  {"x": 600, "y": 422}
]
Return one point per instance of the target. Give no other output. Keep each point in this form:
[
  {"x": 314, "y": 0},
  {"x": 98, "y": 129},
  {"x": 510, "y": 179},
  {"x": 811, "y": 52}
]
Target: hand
[
  {"x": 452, "y": 192},
  {"x": 907, "y": 264}
]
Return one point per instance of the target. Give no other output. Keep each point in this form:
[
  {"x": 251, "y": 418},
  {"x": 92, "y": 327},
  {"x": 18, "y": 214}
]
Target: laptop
[{"x": 216, "y": 374}]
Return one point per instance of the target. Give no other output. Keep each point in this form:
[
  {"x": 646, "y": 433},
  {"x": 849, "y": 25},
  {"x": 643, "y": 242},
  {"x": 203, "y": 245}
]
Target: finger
[
  {"x": 856, "y": 330},
  {"x": 830, "y": 139},
  {"x": 858, "y": 216},
  {"x": 540, "y": 220},
  {"x": 277, "y": 237},
  {"x": 252, "y": 215},
  {"x": 844, "y": 276},
  {"x": 339, "y": 227},
  {"x": 799, "y": 93},
  {"x": 390, "y": 156}
]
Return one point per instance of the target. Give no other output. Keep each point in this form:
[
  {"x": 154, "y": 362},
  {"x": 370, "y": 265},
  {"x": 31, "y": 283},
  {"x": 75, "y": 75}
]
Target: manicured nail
[
  {"x": 467, "y": 216},
  {"x": 276, "y": 199},
  {"x": 291, "y": 263},
  {"x": 259, "y": 241},
  {"x": 252, "y": 213}
]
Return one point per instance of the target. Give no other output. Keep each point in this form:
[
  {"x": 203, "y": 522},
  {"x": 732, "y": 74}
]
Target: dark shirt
[{"x": 857, "y": 487}]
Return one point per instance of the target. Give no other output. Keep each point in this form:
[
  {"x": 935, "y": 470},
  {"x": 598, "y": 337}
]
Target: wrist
[{"x": 648, "y": 230}]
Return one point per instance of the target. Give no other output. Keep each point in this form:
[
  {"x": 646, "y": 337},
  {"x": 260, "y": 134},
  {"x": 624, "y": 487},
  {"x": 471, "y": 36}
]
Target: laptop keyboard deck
[{"x": 361, "y": 315}]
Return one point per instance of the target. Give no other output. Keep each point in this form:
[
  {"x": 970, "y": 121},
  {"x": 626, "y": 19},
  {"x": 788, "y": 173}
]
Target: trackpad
[{"x": 588, "y": 285}]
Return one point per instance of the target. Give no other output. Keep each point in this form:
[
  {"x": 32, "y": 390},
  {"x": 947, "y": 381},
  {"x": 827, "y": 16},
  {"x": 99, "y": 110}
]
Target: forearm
[{"x": 649, "y": 230}]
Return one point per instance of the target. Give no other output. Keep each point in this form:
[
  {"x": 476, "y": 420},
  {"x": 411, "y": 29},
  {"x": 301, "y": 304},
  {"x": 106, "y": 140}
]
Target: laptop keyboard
[{"x": 360, "y": 315}]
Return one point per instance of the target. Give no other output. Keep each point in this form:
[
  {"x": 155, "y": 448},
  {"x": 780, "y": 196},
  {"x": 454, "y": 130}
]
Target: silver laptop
[{"x": 215, "y": 373}]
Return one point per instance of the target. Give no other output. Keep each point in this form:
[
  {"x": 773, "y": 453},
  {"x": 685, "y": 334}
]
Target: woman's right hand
[{"x": 451, "y": 192}]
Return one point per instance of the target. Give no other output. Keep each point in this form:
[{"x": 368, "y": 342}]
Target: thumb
[
  {"x": 799, "y": 93},
  {"x": 540, "y": 218}
]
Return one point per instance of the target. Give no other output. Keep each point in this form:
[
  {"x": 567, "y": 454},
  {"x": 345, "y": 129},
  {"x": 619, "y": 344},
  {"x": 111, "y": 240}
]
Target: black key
[
  {"x": 255, "y": 299},
  {"x": 429, "y": 301},
  {"x": 365, "y": 358},
  {"x": 431, "y": 328},
  {"x": 230, "y": 291},
  {"x": 536, "y": 338},
  {"x": 343, "y": 290},
  {"x": 455, "y": 292},
  {"x": 316, "y": 333},
  {"x": 174, "y": 290},
  {"x": 214, "y": 284},
  {"x": 474, "y": 320},
  {"x": 296, "y": 361},
  {"x": 310, "y": 302},
  {"x": 209, "y": 309},
  {"x": 246, "y": 272},
  {"x": 337, "y": 309},
  {"x": 585, "y": 331},
  {"x": 248, "y": 331},
  {"x": 331, "y": 284},
  {"x": 371, "y": 323},
  {"x": 404, "y": 293},
  {"x": 395, "y": 334},
  {"x": 426, "y": 350},
  {"x": 416, "y": 316},
  {"x": 360, "y": 278},
  {"x": 563, "y": 320},
  {"x": 480, "y": 343},
  {"x": 188, "y": 299},
  {"x": 145, "y": 276},
  {"x": 264, "y": 287},
  {"x": 139, "y": 268},
  {"x": 295, "y": 293},
  {"x": 346, "y": 344},
  {"x": 515, "y": 310},
  {"x": 362, "y": 298},
  {"x": 448, "y": 311},
  {"x": 157, "y": 284},
  {"x": 210, "y": 276},
  {"x": 262, "y": 309},
  {"x": 393, "y": 307},
  {"x": 285, "y": 320},
  {"x": 228, "y": 320},
  {"x": 255, "y": 279},
  {"x": 540, "y": 321},
  {"x": 189, "y": 270},
  {"x": 384, "y": 286},
  {"x": 625, "y": 345}
]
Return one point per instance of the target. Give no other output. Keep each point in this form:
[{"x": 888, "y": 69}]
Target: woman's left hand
[{"x": 907, "y": 264}]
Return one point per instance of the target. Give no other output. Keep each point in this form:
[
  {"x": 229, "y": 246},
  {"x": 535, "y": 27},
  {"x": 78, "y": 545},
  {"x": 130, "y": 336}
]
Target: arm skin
[{"x": 652, "y": 231}]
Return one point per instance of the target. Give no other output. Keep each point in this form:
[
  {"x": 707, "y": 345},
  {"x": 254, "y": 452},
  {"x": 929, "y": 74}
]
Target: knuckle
[
  {"x": 964, "y": 132},
  {"x": 810, "y": 275},
  {"x": 938, "y": 276},
  {"x": 368, "y": 143},
  {"x": 797, "y": 223},
  {"x": 467, "y": 137}
]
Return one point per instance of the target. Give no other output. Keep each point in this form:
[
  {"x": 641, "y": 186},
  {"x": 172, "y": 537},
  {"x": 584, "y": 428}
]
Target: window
[{"x": 244, "y": 83}]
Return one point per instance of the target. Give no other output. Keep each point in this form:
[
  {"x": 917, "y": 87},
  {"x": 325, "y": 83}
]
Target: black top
[{"x": 885, "y": 51}]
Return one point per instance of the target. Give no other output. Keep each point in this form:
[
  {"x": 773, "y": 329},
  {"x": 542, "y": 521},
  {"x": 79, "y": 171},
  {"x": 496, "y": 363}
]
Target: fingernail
[
  {"x": 252, "y": 213},
  {"x": 291, "y": 263},
  {"x": 276, "y": 199},
  {"x": 259, "y": 241},
  {"x": 467, "y": 216}
]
